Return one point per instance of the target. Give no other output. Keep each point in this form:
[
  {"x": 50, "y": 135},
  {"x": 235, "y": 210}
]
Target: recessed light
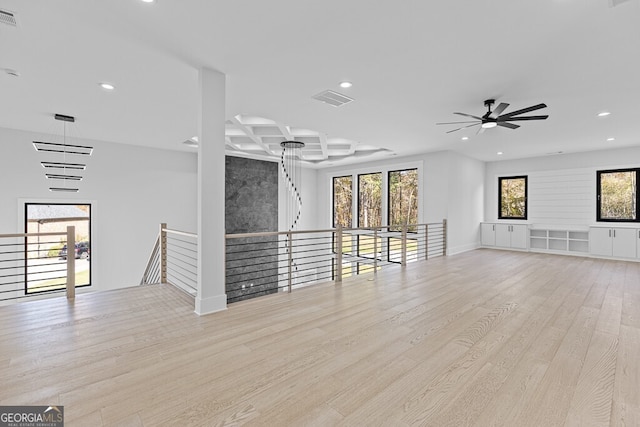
[
  {"x": 346, "y": 84},
  {"x": 499, "y": 153},
  {"x": 465, "y": 138},
  {"x": 604, "y": 114},
  {"x": 148, "y": 1},
  {"x": 107, "y": 86},
  {"x": 611, "y": 139}
]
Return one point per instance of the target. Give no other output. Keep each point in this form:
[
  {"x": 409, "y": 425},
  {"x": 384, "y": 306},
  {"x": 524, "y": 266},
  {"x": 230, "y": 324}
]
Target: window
[
  {"x": 370, "y": 200},
  {"x": 46, "y": 256},
  {"x": 512, "y": 197},
  {"x": 617, "y": 198},
  {"x": 342, "y": 201},
  {"x": 403, "y": 199}
]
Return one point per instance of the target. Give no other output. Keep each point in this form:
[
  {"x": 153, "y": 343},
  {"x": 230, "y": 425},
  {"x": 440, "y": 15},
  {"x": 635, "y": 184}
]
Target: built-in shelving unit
[
  {"x": 566, "y": 241},
  {"x": 601, "y": 241}
]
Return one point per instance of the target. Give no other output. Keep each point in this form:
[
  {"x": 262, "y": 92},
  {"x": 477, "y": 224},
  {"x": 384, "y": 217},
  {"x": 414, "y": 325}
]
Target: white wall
[
  {"x": 132, "y": 190},
  {"x": 465, "y": 201},
  {"x": 562, "y": 188},
  {"x": 451, "y": 187}
]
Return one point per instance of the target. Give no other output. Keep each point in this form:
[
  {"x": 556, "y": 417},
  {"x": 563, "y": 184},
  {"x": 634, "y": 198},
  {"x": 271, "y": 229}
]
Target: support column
[{"x": 211, "y": 173}]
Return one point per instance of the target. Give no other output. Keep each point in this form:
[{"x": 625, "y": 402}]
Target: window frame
[
  {"x": 382, "y": 197},
  {"x": 333, "y": 199},
  {"x": 526, "y": 197},
  {"x": 598, "y": 198},
  {"x": 25, "y": 204},
  {"x": 389, "y": 172}
]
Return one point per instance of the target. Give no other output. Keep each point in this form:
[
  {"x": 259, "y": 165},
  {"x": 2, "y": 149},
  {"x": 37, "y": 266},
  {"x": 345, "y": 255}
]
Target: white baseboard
[
  {"x": 211, "y": 304},
  {"x": 463, "y": 248}
]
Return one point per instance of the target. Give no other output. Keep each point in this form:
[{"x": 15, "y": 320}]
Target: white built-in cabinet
[
  {"x": 498, "y": 235},
  {"x": 488, "y": 234},
  {"x": 616, "y": 242},
  {"x": 621, "y": 242}
]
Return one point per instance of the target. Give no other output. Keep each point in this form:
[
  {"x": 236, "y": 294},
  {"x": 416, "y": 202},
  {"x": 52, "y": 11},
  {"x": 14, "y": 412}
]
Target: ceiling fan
[{"x": 495, "y": 118}]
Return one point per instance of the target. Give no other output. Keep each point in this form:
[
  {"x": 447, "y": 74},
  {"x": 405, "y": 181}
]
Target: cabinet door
[
  {"x": 624, "y": 243},
  {"x": 519, "y": 236},
  {"x": 600, "y": 241},
  {"x": 503, "y": 235},
  {"x": 488, "y": 234}
]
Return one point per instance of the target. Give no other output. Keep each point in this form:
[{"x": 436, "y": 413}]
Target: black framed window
[
  {"x": 617, "y": 195},
  {"x": 512, "y": 197},
  {"x": 343, "y": 201},
  {"x": 403, "y": 199},
  {"x": 45, "y": 260},
  {"x": 370, "y": 200}
]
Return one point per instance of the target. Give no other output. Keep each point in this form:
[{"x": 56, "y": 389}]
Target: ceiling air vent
[
  {"x": 8, "y": 18},
  {"x": 332, "y": 98}
]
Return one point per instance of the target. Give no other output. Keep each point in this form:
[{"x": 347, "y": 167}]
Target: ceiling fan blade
[
  {"x": 469, "y": 115},
  {"x": 508, "y": 125},
  {"x": 499, "y": 109},
  {"x": 480, "y": 130},
  {"x": 524, "y": 110},
  {"x": 457, "y": 123},
  {"x": 463, "y": 127},
  {"x": 513, "y": 119}
]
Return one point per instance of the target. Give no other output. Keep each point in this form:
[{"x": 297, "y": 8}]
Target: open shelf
[
  {"x": 559, "y": 240},
  {"x": 538, "y": 243}
]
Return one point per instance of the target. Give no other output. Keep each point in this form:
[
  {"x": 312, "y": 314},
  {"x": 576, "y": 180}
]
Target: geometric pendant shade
[{"x": 63, "y": 171}]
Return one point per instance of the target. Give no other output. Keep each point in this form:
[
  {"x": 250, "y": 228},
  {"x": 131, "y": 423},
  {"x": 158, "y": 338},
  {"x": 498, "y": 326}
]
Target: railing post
[
  {"x": 426, "y": 241},
  {"x": 71, "y": 262},
  {"x": 444, "y": 237},
  {"x": 375, "y": 251},
  {"x": 338, "y": 277},
  {"x": 163, "y": 253},
  {"x": 404, "y": 245},
  {"x": 290, "y": 244}
]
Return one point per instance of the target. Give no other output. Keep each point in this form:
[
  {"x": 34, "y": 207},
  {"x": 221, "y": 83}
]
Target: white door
[
  {"x": 503, "y": 235},
  {"x": 638, "y": 243},
  {"x": 624, "y": 243},
  {"x": 600, "y": 241},
  {"x": 519, "y": 236},
  {"x": 488, "y": 234}
]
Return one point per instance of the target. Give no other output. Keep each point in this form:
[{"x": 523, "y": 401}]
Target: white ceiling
[{"x": 412, "y": 64}]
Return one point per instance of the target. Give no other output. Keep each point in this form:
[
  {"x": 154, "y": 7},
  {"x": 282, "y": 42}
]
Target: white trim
[{"x": 211, "y": 305}]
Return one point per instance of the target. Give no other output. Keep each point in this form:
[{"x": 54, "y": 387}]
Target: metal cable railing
[
  {"x": 32, "y": 264},
  {"x": 174, "y": 260},
  {"x": 182, "y": 260},
  {"x": 151, "y": 275},
  {"x": 260, "y": 263},
  {"x": 264, "y": 263}
]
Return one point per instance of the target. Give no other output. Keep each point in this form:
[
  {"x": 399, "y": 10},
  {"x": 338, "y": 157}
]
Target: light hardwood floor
[{"x": 480, "y": 339}]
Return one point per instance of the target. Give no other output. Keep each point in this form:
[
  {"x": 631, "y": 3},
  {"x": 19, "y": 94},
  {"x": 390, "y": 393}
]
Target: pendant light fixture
[
  {"x": 63, "y": 171},
  {"x": 290, "y": 166}
]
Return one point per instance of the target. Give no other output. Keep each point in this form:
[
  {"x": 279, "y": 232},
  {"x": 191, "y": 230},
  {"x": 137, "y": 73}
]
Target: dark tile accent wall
[{"x": 251, "y": 205}]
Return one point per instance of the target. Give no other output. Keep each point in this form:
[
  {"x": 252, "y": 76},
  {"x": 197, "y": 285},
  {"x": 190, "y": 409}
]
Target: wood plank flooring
[{"x": 484, "y": 338}]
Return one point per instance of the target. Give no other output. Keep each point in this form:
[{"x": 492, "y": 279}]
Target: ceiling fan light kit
[{"x": 495, "y": 118}]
